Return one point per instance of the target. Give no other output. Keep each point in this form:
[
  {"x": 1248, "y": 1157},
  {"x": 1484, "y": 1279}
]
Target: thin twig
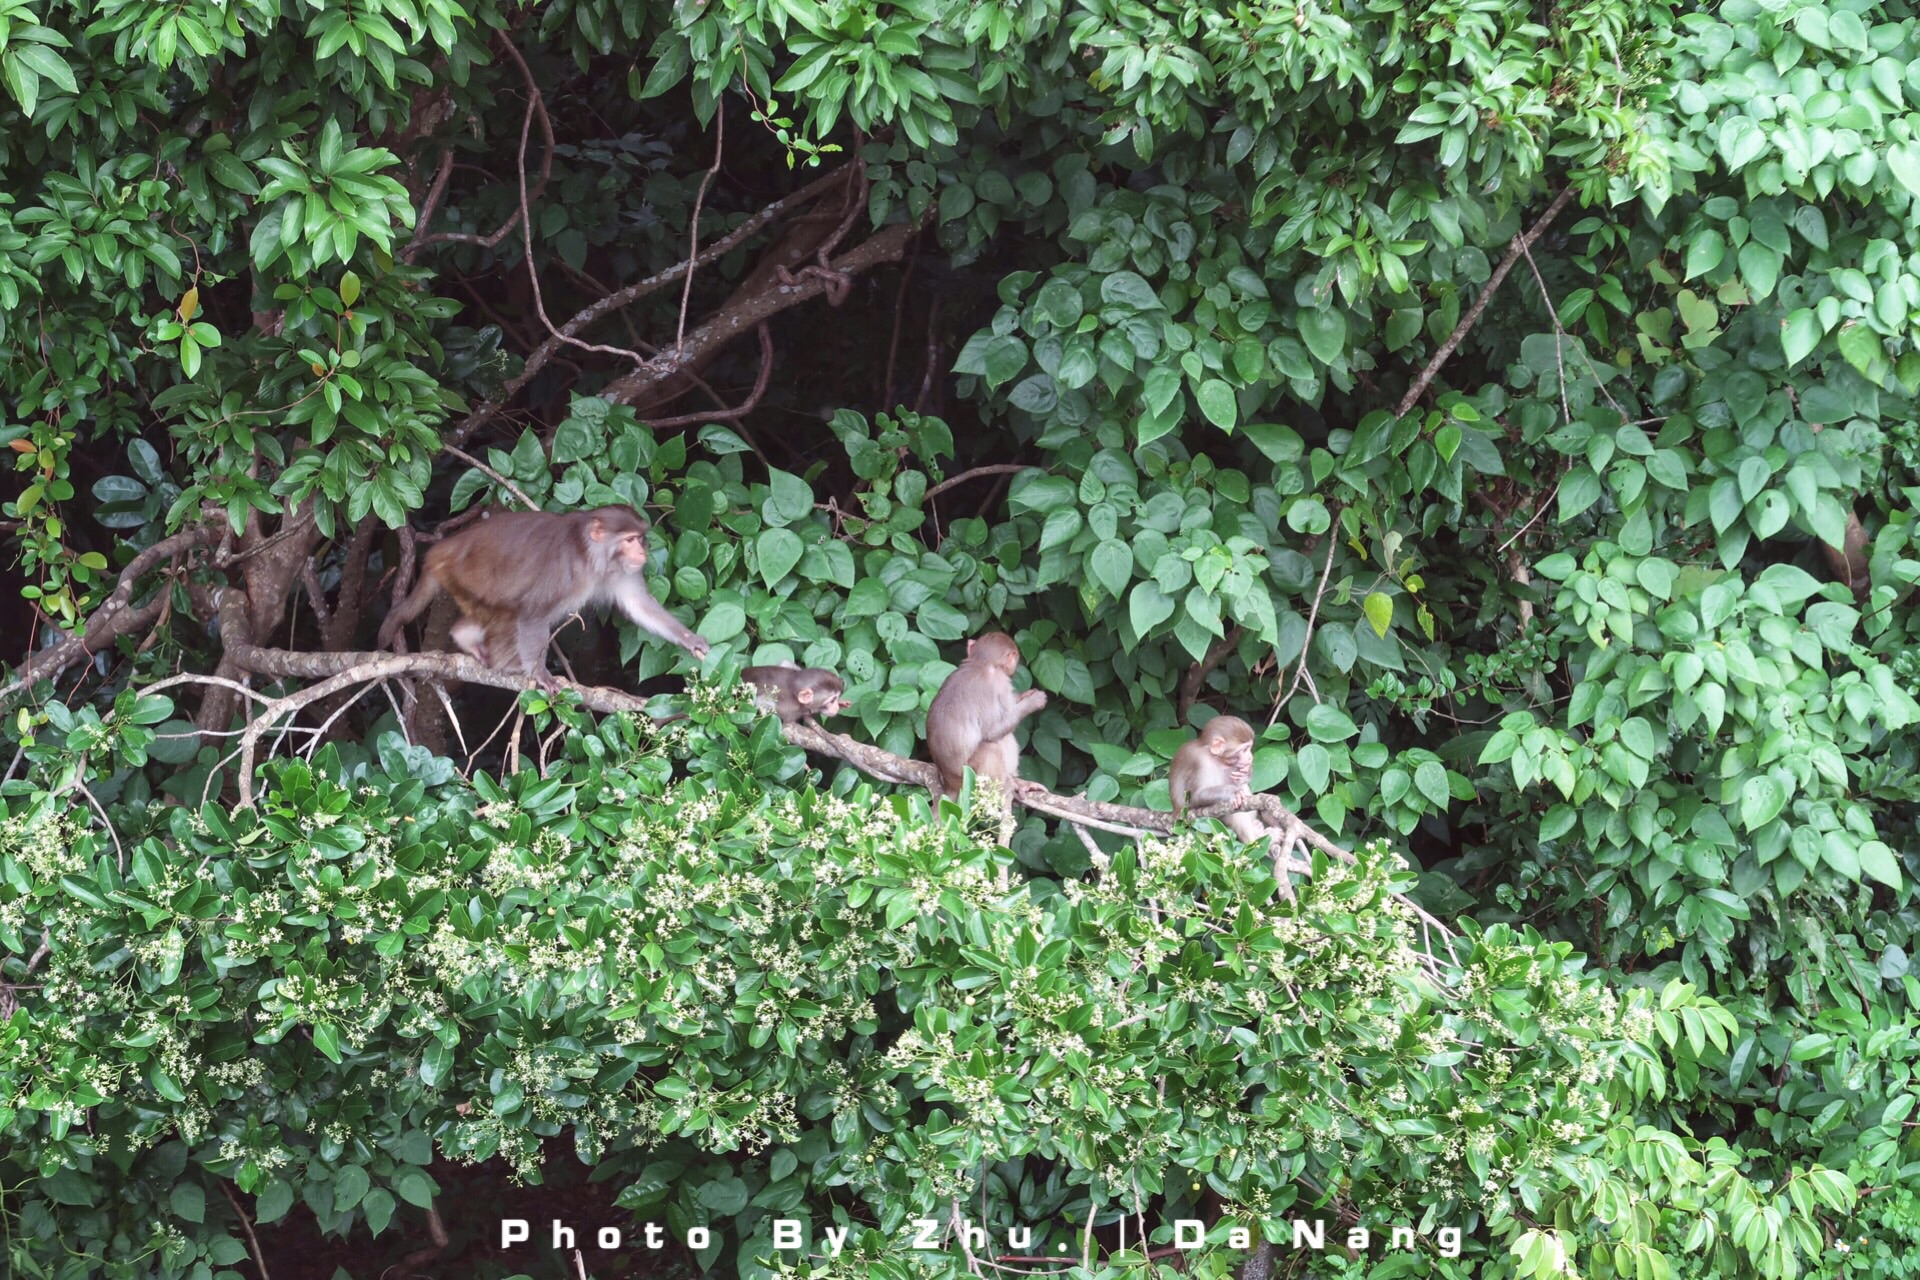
[
  {"x": 693, "y": 224},
  {"x": 536, "y": 103},
  {"x": 1313, "y": 616},
  {"x": 246, "y": 1224},
  {"x": 491, "y": 474},
  {"x": 994, "y": 469}
]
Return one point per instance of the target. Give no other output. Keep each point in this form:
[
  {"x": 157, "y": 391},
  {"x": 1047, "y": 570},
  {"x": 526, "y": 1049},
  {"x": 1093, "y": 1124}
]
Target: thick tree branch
[{"x": 887, "y": 767}]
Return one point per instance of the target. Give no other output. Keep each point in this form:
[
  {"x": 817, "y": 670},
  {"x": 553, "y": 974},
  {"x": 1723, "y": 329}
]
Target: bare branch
[
  {"x": 545, "y": 352},
  {"x": 693, "y": 223},
  {"x": 492, "y": 475},
  {"x": 1120, "y": 818},
  {"x": 996, "y": 469},
  {"x": 1452, "y": 344},
  {"x": 1313, "y": 616}
]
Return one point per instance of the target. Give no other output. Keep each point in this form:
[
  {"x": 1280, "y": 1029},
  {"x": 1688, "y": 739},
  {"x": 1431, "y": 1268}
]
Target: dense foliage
[{"x": 1511, "y": 410}]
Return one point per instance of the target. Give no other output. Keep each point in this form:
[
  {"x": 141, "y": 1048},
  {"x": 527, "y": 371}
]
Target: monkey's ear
[
  {"x": 806, "y": 697},
  {"x": 597, "y": 529},
  {"x": 969, "y": 648}
]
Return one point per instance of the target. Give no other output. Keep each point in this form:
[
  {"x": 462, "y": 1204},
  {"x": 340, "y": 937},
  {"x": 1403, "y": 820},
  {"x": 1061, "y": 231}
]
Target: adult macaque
[
  {"x": 1214, "y": 769},
  {"x": 797, "y": 693},
  {"x": 517, "y": 573},
  {"x": 973, "y": 716}
]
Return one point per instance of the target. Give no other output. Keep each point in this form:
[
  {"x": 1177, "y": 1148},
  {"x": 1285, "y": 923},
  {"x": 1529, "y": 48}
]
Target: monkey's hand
[
  {"x": 1031, "y": 701},
  {"x": 696, "y": 644},
  {"x": 545, "y": 681}
]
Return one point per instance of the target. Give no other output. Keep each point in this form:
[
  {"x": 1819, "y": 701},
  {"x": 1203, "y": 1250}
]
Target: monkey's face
[
  {"x": 630, "y": 552},
  {"x": 822, "y": 699},
  {"x": 1235, "y": 756}
]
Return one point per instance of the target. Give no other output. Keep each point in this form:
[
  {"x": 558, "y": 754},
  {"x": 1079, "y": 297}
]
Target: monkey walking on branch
[{"x": 517, "y": 573}]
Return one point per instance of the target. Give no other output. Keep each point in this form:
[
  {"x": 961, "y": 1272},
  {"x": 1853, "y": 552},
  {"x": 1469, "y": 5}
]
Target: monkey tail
[{"x": 423, "y": 593}]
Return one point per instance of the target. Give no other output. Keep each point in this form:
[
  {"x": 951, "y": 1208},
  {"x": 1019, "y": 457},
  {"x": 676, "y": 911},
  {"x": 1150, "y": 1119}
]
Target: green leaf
[
  {"x": 435, "y": 1062},
  {"x": 415, "y": 1187},
  {"x": 1579, "y": 489},
  {"x": 349, "y": 1185},
  {"x": 1379, "y": 610},
  {"x": 1324, "y": 330},
  {"x": 48, "y": 64},
  {"x": 1877, "y": 860},
  {"x": 1217, "y": 402},
  {"x": 1903, "y": 162},
  {"x": 273, "y": 1202},
  {"x": 1761, "y": 800},
  {"x": 1741, "y": 141},
  {"x": 779, "y": 551},
  {"x": 189, "y": 1201},
  {"x": 1282, "y": 445},
  {"x": 378, "y": 1206},
  {"x": 1148, "y": 607},
  {"x": 1128, "y": 289},
  {"x": 22, "y": 83},
  {"x": 1800, "y": 333},
  {"x": 791, "y": 499},
  {"x": 1431, "y": 779},
  {"x": 1705, "y": 252},
  {"x": 1111, "y": 565}
]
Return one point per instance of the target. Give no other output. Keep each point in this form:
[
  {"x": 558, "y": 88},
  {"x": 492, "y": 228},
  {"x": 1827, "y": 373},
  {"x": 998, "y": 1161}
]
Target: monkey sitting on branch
[
  {"x": 797, "y": 693},
  {"x": 973, "y": 716},
  {"x": 1214, "y": 768},
  {"x": 517, "y": 573}
]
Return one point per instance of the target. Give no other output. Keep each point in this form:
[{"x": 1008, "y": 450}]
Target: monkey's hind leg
[
  {"x": 531, "y": 636},
  {"x": 472, "y": 638}
]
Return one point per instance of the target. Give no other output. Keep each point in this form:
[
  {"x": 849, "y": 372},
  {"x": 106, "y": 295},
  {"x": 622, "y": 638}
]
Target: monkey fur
[
  {"x": 1214, "y": 769},
  {"x": 517, "y": 573},
  {"x": 973, "y": 716},
  {"x": 797, "y": 693}
]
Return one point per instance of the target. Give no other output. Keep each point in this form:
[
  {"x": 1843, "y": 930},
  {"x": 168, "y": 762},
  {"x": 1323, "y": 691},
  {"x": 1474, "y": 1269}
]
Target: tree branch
[
  {"x": 1521, "y": 244},
  {"x": 113, "y": 618},
  {"x": 489, "y": 410},
  {"x": 995, "y": 469},
  {"x": 888, "y": 245}
]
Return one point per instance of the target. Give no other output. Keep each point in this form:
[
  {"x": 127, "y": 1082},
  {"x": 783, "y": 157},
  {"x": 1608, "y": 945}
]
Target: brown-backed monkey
[
  {"x": 973, "y": 716},
  {"x": 797, "y": 693},
  {"x": 517, "y": 573},
  {"x": 1214, "y": 769}
]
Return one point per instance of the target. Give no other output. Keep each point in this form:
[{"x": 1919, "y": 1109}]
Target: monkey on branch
[{"x": 517, "y": 573}]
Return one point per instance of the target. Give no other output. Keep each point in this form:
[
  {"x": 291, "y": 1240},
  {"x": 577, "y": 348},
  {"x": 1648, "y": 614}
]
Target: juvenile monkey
[
  {"x": 973, "y": 716},
  {"x": 797, "y": 693},
  {"x": 517, "y": 573},
  {"x": 1214, "y": 769}
]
